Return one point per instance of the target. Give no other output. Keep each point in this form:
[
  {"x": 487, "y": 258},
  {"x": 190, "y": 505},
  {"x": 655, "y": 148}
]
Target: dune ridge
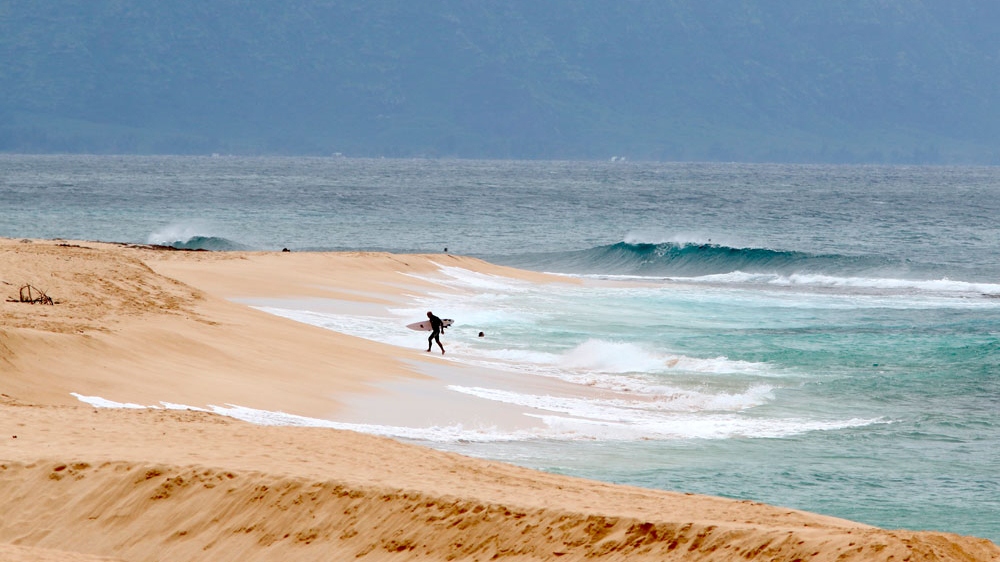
[{"x": 162, "y": 512}]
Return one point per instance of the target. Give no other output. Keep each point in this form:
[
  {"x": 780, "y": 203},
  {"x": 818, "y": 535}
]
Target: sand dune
[{"x": 141, "y": 325}]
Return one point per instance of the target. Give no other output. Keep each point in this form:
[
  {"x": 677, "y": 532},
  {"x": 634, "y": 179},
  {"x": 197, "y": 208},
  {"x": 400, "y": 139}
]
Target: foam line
[{"x": 603, "y": 425}]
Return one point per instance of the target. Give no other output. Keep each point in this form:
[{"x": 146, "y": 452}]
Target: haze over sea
[{"x": 819, "y": 337}]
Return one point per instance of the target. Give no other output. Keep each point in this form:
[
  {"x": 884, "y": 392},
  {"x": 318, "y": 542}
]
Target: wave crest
[
  {"x": 193, "y": 236},
  {"x": 697, "y": 259}
]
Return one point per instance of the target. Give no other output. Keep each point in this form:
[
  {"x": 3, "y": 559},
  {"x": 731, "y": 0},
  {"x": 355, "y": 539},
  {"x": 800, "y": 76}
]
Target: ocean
[{"x": 825, "y": 338}]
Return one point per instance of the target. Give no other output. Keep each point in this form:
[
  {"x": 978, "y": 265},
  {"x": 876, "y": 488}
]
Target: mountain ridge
[{"x": 881, "y": 81}]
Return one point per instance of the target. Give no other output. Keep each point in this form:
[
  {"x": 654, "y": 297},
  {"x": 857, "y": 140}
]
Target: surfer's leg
[{"x": 435, "y": 337}]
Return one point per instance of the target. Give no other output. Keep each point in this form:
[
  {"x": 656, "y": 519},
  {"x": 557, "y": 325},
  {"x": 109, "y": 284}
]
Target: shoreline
[{"x": 140, "y": 325}]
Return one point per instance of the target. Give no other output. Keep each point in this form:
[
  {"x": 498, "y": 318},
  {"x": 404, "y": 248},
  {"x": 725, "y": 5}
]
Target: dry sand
[{"x": 143, "y": 325}]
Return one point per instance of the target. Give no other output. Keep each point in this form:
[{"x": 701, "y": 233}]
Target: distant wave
[
  {"x": 716, "y": 263},
  {"x": 192, "y": 236},
  {"x": 214, "y": 243},
  {"x": 689, "y": 259}
]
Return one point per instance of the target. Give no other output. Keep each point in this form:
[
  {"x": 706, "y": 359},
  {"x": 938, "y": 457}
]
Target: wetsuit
[{"x": 436, "y": 327}]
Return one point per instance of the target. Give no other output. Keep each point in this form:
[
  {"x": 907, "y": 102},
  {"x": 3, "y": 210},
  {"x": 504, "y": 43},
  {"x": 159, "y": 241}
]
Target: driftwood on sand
[{"x": 32, "y": 295}]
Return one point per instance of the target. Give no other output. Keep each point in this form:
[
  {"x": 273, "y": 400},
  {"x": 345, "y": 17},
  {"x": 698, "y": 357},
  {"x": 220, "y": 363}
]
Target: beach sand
[{"x": 136, "y": 324}]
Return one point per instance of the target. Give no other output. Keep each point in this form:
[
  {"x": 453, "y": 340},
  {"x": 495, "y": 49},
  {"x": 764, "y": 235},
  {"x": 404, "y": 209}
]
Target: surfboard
[{"x": 425, "y": 325}]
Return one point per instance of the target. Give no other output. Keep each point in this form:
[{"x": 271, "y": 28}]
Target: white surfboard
[{"x": 425, "y": 325}]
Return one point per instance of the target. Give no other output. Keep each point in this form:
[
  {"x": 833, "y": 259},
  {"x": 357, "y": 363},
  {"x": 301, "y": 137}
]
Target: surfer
[{"x": 436, "y": 328}]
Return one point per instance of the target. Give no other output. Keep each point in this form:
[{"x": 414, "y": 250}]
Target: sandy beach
[{"x": 145, "y": 325}]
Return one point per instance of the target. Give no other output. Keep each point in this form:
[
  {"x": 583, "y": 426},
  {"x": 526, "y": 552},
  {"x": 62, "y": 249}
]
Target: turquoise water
[
  {"x": 820, "y": 337},
  {"x": 880, "y": 408}
]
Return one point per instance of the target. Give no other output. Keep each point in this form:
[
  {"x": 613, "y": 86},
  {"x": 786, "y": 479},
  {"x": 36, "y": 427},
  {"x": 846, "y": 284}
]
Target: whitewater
[{"x": 819, "y": 337}]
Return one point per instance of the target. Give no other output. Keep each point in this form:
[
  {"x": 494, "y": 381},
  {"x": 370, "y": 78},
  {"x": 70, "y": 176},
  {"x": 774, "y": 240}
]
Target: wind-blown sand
[{"x": 143, "y": 325}]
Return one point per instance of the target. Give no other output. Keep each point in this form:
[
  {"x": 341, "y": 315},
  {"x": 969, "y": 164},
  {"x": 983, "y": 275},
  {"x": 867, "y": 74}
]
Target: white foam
[
  {"x": 443, "y": 434},
  {"x": 98, "y": 402},
  {"x": 600, "y": 423},
  {"x": 933, "y": 285},
  {"x": 622, "y": 357},
  {"x": 694, "y": 427},
  {"x": 943, "y": 285},
  {"x": 622, "y": 367},
  {"x": 640, "y": 408},
  {"x": 852, "y": 292},
  {"x": 612, "y": 357}
]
